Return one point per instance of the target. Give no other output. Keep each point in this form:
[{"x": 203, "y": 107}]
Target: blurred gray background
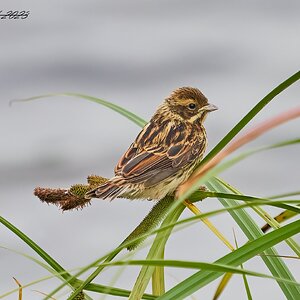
[{"x": 134, "y": 53}]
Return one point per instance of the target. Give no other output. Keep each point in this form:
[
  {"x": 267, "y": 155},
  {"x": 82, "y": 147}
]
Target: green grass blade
[
  {"x": 92, "y": 287},
  {"x": 234, "y": 131},
  {"x": 247, "y": 288},
  {"x": 245, "y": 280},
  {"x": 127, "y": 243},
  {"x": 111, "y": 255},
  {"x": 122, "y": 111},
  {"x": 60, "y": 271},
  {"x": 252, "y": 201},
  {"x": 279, "y": 203},
  {"x": 37, "y": 249},
  {"x": 235, "y": 258},
  {"x": 250, "y": 115},
  {"x": 276, "y": 265},
  {"x": 158, "y": 278},
  {"x": 215, "y": 267},
  {"x": 155, "y": 251},
  {"x": 38, "y": 262},
  {"x": 134, "y": 239},
  {"x": 272, "y": 222},
  {"x": 296, "y": 193},
  {"x": 171, "y": 225},
  {"x": 81, "y": 285},
  {"x": 141, "y": 122},
  {"x": 229, "y": 163}
]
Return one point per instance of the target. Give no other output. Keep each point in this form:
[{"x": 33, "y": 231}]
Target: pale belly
[{"x": 159, "y": 191}]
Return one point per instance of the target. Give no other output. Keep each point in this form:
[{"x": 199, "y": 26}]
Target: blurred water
[{"x": 133, "y": 53}]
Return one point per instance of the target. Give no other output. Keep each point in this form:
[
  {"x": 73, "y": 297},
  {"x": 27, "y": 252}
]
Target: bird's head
[{"x": 189, "y": 104}]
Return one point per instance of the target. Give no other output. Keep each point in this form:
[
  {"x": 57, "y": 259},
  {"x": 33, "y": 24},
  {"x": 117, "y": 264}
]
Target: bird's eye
[{"x": 192, "y": 106}]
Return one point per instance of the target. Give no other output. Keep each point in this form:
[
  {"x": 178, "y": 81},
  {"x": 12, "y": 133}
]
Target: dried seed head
[
  {"x": 51, "y": 195},
  {"x": 62, "y": 197}
]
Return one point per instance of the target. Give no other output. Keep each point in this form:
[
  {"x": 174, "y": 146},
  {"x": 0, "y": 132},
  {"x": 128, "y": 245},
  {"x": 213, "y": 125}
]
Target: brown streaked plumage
[{"x": 164, "y": 153}]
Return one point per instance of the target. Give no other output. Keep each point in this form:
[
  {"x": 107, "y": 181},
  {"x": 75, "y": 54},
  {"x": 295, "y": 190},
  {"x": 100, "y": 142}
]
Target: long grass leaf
[
  {"x": 60, "y": 271},
  {"x": 239, "y": 256},
  {"x": 250, "y": 115},
  {"x": 275, "y": 264},
  {"x": 37, "y": 249},
  {"x": 229, "y": 163},
  {"x": 216, "y": 267},
  {"x": 272, "y": 222},
  {"x": 155, "y": 251},
  {"x": 122, "y": 111},
  {"x": 158, "y": 278}
]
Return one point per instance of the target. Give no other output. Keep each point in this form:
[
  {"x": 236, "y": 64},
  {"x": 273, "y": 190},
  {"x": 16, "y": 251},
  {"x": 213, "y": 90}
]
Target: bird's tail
[{"x": 109, "y": 189}]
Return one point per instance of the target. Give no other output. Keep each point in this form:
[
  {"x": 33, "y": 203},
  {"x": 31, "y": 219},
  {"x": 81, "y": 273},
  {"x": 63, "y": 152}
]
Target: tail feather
[{"x": 107, "y": 190}]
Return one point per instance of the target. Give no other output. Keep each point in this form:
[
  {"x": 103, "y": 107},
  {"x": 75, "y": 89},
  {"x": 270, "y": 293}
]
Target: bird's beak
[{"x": 210, "y": 107}]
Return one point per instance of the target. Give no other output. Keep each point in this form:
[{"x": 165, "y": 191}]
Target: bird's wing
[{"x": 158, "y": 152}]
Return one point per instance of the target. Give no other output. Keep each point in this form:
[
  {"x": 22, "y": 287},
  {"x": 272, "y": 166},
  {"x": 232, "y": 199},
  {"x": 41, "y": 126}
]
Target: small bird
[{"x": 165, "y": 152}]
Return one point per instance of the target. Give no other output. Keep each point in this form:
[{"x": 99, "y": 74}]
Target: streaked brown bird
[{"x": 165, "y": 152}]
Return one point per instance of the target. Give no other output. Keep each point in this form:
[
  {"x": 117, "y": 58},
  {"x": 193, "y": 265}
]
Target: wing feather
[{"x": 158, "y": 152}]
